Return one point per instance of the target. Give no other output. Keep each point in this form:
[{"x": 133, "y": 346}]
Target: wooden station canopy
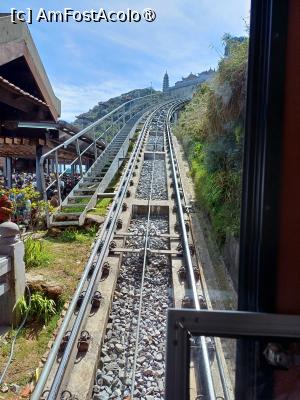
[{"x": 29, "y": 109}]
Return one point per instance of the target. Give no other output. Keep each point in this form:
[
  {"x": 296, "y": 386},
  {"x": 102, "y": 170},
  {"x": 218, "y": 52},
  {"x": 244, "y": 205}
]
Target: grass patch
[
  {"x": 73, "y": 209},
  {"x": 68, "y": 261},
  {"x": 30, "y": 346},
  {"x": 73, "y": 234},
  {"x": 37, "y": 254},
  {"x": 101, "y": 207},
  {"x": 80, "y": 200}
]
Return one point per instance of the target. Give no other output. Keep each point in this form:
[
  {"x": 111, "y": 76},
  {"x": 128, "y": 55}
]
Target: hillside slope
[
  {"x": 211, "y": 131},
  {"x": 104, "y": 107}
]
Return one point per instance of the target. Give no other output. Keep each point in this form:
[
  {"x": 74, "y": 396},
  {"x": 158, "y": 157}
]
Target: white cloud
[
  {"x": 76, "y": 99},
  {"x": 89, "y": 62}
]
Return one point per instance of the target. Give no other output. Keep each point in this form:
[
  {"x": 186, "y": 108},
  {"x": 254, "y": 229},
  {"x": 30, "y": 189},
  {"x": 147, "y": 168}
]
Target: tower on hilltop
[{"x": 165, "y": 82}]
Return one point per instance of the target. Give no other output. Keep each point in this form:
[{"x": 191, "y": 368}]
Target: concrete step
[
  {"x": 65, "y": 223},
  {"x": 88, "y": 186},
  {"x": 82, "y": 191},
  {"x": 83, "y": 205},
  {"x": 79, "y": 197},
  {"x": 64, "y": 216}
]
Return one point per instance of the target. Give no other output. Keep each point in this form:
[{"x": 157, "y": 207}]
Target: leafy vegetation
[
  {"x": 38, "y": 307},
  {"x": 211, "y": 131},
  {"x": 36, "y": 253},
  {"x": 101, "y": 207},
  {"x": 74, "y": 234},
  {"x": 28, "y": 208}
]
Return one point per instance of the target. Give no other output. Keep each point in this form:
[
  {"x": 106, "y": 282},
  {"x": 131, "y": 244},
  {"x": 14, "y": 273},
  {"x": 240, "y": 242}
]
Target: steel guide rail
[
  {"x": 101, "y": 247},
  {"x": 221, "y": 371},
  {"x": 209, "y": 389}
]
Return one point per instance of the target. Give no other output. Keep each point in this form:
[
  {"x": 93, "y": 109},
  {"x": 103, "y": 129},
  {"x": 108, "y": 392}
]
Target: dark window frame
[
  {"x": 260, "y": 198},
  {"x": 182, "y": 323}
]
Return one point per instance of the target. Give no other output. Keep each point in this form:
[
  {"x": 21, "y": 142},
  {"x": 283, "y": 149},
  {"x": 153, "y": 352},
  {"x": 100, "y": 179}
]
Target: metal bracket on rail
[
  {"x": 119, "y": 223},
  {"x": 112, "y": 246},
  {"x": 105, "y": 270},
  {"x": 188, "y": 302},
  {"x": 64, "y": 341},
  {"x": 84, "y": 342},
  {"x": 80, "y": 298},
  {"x": 96, "y": 300},
  {"x": 44, "y": 395},
  {"x": 191, "y": 247},
  {"x": 67, "y": 395},
  {"x": 177, "y": 226},
  {"x": 182, "y": 274}
]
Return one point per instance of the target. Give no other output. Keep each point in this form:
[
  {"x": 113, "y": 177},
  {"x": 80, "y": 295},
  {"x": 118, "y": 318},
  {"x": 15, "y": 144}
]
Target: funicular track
[{"x": 111, "y": 343}]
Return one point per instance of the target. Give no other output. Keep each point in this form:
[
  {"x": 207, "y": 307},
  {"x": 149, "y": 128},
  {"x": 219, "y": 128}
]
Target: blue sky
[{"x": 91, "y": 62}]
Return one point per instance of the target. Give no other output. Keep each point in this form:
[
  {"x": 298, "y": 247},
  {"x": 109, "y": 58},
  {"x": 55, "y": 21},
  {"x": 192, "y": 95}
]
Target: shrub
[
  {"x": 36, "y": 254},
  {"x": 39, "y": 307},
  {"x": 28, "y": 209},
  {"x": 211, "y": 132}
]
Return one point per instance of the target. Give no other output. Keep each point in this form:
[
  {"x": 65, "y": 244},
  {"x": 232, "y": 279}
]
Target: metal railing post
[
  {"x": 79, "y": 156},
  {"x": 57, "y": 177},
  {"x": 95, "y": 145}
]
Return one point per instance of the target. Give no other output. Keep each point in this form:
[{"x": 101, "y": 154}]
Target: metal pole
[
  {"x": 38, "y": 170},
  {"x": 57, "y": 177},
  {"x": 79, "y": 156},
  {"x": 8, "y": 171},
  {"x": 95, "y": 145}
]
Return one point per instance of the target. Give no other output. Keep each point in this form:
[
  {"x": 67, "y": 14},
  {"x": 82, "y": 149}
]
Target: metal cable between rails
[
  {"x": 143, "y": 270},
  {"x": 185, "y": 244}
]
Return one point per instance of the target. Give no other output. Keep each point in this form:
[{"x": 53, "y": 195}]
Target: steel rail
[
  {"x": 221, "y": 371},
  {"x": 210, "y": 391},
  {"x": 108, "y": 225},
  {"x": 136, "y": 350}
]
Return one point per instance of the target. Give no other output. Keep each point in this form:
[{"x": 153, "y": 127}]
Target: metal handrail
[{"x": 129, "y": 108}]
